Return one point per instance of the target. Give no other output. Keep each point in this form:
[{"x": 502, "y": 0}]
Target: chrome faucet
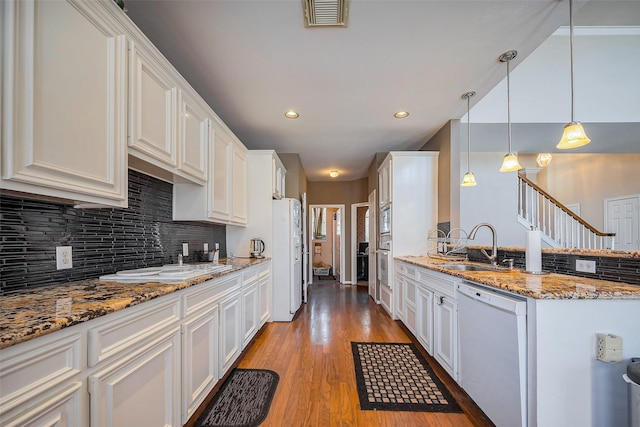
[{"x": 494, "y": 250}]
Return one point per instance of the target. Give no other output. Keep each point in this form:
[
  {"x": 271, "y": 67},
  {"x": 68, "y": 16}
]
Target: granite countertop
[
  {"x": 30, "y": 314},
  {"x": 548, "y": 286}
]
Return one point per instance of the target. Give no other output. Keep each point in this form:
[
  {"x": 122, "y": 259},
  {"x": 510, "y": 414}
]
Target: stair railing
[{"x": 560, "y": 226}]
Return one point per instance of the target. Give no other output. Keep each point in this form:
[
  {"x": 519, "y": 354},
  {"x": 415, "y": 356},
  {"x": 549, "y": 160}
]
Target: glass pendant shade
[
  {"x": 469, "y": 180},
  {"x": 573, "y": 136},
  {"x": 543, "y": 159},
  {"x": 510, "y": 163}
]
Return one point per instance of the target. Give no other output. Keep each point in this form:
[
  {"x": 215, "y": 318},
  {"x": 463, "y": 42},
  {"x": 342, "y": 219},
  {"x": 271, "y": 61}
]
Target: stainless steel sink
[{"x": 469, "y": 267}]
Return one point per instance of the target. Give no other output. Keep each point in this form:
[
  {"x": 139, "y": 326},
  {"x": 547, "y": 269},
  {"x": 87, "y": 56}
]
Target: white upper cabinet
[
  {"x": 278, "y": 178},
  {"x": 153, "y": 92},
  {"x": 384, "y": 181},
  {"x": 223, "y": 199},
  {"x": 168, "y": 121},
  {"x": 220, "y": 202},
  {"x": 193, "y": 136},
  {"x": 64, "y": 101},
  {"x": 239, "y": 185}
]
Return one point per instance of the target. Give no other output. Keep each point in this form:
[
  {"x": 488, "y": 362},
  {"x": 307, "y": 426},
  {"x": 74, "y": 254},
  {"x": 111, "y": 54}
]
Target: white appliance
[
  {"x": 286, "y": 259},
  {"x": 493, "y": 353}
]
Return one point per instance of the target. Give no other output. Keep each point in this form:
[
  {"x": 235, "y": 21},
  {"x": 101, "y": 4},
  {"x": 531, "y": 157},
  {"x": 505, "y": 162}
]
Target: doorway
[
  {"x": 326, "y": 237},
  {"x": 360, "y": 242},
  {"x": 622, "y": 216}
]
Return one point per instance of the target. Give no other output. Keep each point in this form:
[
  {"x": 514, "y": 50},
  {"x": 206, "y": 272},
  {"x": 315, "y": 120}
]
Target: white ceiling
[{"x": 254, "y": 60}]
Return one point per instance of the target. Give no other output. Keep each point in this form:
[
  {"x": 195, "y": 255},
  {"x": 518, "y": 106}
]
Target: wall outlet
[
  {"x": 64, "y": 258},
  {"x": 585, "y": 266},
  {"x": 608, "y": 348},
  {"x": 205, "y": 247},
  {"x": 185, "y": 249}
]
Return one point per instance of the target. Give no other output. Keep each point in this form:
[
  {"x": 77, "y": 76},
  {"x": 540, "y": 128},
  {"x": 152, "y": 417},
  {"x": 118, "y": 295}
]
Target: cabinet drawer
[
  {"x": 27, "y": 370},
  {"x": 130, "y": 327},
  {"x": 207, "y": 292}
]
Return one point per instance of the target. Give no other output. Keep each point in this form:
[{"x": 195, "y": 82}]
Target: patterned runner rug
[
  {"x": 242, "y": 401},
  {"x": 395, "y": 377}
]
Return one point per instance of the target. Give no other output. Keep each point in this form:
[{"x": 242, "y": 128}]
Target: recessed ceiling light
[
  {"x": 334, "y": 174},
  {"x": 291, "y": 114},
  {"x": 401, "y": 114}
]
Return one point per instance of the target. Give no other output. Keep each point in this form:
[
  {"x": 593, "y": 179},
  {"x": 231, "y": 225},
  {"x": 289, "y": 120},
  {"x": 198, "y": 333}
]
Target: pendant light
[
  {"x": 510, "y": 161},
  {"x": 573, "y": 135},
  {"x": 469, "y": 179},
  {"x": 543, "y": 159}
]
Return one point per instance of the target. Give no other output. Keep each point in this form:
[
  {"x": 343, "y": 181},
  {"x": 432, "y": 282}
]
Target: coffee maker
[{"x": 257, "y": 248}]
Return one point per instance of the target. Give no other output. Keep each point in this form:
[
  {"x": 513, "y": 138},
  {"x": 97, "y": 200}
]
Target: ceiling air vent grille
[{"x": 325, "y": 13}]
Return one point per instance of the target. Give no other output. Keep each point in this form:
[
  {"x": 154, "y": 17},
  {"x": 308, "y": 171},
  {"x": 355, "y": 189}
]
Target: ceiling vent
[{"x": 325, "y": 13}]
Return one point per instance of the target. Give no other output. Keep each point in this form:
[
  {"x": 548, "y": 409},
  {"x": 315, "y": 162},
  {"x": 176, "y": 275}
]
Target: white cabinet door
[
  {"x": 239, "y": 185},
  {"x": 399, "y": 285},
  {"x": 193, "y": 140},
  {"x": 153, "y": 90},
  {"x": 64, "y": 97},
  {"x": 384, "y": 182},
  {"x": 264, "y": 287},
  {"x": 424, "y": 322},
  {"x": 230, "y": 331},
  {"x": 221, "y": 196},
  {"x": 200, "y": 352},
  {"x": 61, "y": 409},
  {"x": 445, "y": 340},
  {"x": 250, "y": 313},
  {"x": 278, "y": 178},
  {"x": 142, "y": 389}
]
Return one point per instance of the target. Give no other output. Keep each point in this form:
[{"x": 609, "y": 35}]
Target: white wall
[{"x": 493, "y": 200}]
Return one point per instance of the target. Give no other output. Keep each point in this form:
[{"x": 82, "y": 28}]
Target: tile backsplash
[
  {"x": 103, "y": 240},
  {"x": 614, "y": 269}
]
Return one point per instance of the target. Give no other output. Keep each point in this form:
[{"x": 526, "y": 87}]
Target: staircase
[{"x": 560, "y": 227}]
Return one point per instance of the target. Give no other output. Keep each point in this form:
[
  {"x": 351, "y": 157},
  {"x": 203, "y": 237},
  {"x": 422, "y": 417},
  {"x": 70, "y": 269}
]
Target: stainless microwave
[{"x": 385, "y": 220}]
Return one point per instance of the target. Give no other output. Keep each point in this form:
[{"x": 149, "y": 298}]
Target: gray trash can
[{"x": 632, "y": 377}]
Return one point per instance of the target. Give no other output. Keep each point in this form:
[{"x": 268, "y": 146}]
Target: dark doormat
[
  {"x": 242, "y": 401},
  {"x": 395, "y": 377}
]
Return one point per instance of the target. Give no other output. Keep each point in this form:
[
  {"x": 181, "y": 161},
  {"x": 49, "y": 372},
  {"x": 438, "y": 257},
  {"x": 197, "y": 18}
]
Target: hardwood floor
[{"x": 313, "y": 357}]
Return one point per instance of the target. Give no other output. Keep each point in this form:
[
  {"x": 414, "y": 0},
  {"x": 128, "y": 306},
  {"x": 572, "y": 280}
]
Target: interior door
[
  {"x": 373, "y": 244},
  {"x": 305, "y": 248},
  {"x": 623, "y": 218}
]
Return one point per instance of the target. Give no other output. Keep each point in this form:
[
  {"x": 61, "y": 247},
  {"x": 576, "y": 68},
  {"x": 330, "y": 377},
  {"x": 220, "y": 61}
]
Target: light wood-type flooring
[{"x": 313, "y": 357}]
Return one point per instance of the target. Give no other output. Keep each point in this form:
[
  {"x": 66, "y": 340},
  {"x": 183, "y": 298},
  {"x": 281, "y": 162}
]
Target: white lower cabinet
[
  {"x": 445, "y": 333},
  {"x": 250, "y": 312},
  {"x": 141, "y": 389},
  {"x": 430, "y": 311},
  {"x": 264, "y": 289},
  {"x": 424, "y": 327},
  {"x": 230, "y": 331},
  {"x": 148, "y": 365},
  {"x": 61, "y": 409},
  {"x": 40, "y": 382},
  {"x": 200, "y": 352}
]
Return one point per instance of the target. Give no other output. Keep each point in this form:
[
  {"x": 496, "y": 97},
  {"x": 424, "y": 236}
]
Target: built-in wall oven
[{"x": 385, "y": 221}]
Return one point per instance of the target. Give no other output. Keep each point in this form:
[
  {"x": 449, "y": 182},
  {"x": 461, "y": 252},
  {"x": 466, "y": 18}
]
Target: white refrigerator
[{"x": 286, "y": 259}]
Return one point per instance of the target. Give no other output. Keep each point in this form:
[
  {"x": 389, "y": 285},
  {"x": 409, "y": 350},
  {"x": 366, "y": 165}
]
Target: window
[
  {"x": 366, "y": 226},
  {"x": 319, "y": 223}
]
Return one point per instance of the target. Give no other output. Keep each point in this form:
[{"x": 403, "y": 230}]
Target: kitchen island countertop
[
  {"x": 547, "y": 286},
  {"x": 29, "y": 314}
]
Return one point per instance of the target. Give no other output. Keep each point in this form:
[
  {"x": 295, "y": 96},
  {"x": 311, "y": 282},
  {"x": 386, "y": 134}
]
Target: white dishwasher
[{"x": 493, "y": 352}]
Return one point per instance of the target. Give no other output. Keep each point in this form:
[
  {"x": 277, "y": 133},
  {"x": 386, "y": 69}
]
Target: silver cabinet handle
[{"x": 440, "y": 300}]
